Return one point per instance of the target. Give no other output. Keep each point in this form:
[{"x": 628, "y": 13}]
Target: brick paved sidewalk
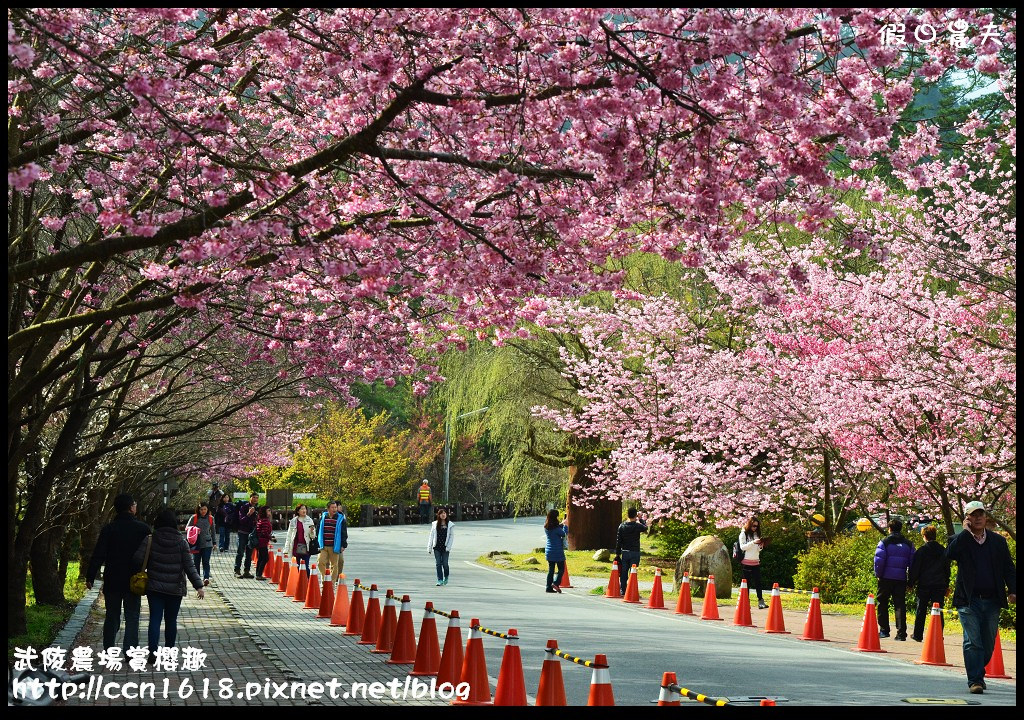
[{"x": 252, "y": 634}]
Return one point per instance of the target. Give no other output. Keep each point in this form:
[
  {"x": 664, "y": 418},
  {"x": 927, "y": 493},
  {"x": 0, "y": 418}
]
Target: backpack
[
  {"x": 192, "y": 532},
  {"x": 737, "y": 551}
]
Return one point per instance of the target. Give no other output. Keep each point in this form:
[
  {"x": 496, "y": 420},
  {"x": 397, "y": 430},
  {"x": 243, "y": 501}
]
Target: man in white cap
[{"x": 986, "y": 581}]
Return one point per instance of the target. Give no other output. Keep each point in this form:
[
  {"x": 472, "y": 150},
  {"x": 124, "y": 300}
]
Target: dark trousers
[
  {"x": 752, "y": 574},
  {"x": 925, "y": 597},
  {"x": 243, "y": 552},
  {"x": 441, "y": 564},
  {"x": 301, "y": 561},
  {"x": 555, "y": 579},
  {"x": 262, "y": 556},
  {"x": 424, "y": 512},
  {"x": 163, "y": 608},
  {"x": 202, "y": 557},
  {"x": 629, "y": 559},
  {"x": 224, "y": 535},
  {"x": 132, "y": 605},
  {"x": 895, "y": 590}
]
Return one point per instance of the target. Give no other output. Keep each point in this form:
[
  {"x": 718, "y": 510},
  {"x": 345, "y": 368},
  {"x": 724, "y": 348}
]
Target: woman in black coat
[{"x": 169, "y": 562}]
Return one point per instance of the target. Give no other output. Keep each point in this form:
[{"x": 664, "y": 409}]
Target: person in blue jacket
[
  {"x": 333, "y": 539},
  {"x": 893, "y": 557},
  {"x": 554, "y": 550}
]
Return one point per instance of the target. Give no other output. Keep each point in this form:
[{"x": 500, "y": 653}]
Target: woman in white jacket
[
  {"x": 442, "y": 533},
  {"x": 751, "y": 543},
  {"x": 300, "y": 531}
]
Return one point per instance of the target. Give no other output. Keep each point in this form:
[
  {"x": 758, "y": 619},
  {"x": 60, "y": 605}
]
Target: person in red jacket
[{"x": 264, "y": 534}]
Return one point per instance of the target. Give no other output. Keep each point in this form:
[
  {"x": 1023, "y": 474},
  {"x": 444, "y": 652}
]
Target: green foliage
[
  {"x": 352, "y": 456},
  {"x": 673, "y": 536},
  {"x": 843, "y": 569}
]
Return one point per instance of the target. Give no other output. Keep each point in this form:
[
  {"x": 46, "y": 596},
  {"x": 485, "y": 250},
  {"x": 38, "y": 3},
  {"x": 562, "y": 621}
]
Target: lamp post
[{"x": 448, "y": 446}]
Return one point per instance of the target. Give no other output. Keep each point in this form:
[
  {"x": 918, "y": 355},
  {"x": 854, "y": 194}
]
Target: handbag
[
  {"x": 137, "y": 583},
  {"x": 314, "y": 544},
  {"x": 253, "y": 542}
]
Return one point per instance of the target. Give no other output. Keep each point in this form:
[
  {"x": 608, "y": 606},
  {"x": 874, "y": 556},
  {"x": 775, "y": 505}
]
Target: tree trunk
[
  {"x": 90, "y": 530},
  {"x": 47, "y": 580},
  {"x": 591, "y": 528}
]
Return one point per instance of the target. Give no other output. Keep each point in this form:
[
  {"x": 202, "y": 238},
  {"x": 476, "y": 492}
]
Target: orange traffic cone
[
  {"x": 868, "y": 640},
  {"x": 293, "y": 579},
  {"x": 356, "y": 613},
  {"x": 684, "y": 605},
  {"x": 388, "y": 625},
  {"x": 403, "y": 649},
  {"x": 632, "y": 588},
  {"x": 428, "y": 655},
  {"x": 667, "y": 697},
  {"x": 601, "y": 683},
  {"x": 613, "y": 590},
  {"x": 933, "y": 652},
  {"x": 450, "y": 668},
  {"x": 255, "y": 556},
  {"x": 268, "y": 569},
  {"x": 301, "y": 586},
  {"x": 326, "y": 599},
  {"x": 709, "y": 608},
  {"x": 995, "y": 668},
  {"x": 767, "y": 702},
  {"x": 511, "y": 688},
  {"x": 371, "y": 621},
  {"x": 551, "y": 690},
  {"x": 742, "y": 617},
  {"x": 275, "y": 578},
  {"x": 657, "y": 599},
  {"x": 812, "y": 626},
  {"x": 565, "y": 582},
  {"x": 286, "y": 569},
  {"x": 313, "y": 591},
  {"x": 474, "y": 669},
  {"x": 775, "y": 623}
]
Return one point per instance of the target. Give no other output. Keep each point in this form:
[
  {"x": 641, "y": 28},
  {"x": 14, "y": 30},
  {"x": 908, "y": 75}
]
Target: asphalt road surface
[{"x": 712, "y": 658}]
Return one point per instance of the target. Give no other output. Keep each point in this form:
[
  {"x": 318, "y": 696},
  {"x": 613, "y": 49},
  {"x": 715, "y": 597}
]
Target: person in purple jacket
[{"x": 892, "y": 560}]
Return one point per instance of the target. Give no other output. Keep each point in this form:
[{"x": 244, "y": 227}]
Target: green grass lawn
[
  {"x": 45, "y": 621},
  {"x": 581, "y": 563}
]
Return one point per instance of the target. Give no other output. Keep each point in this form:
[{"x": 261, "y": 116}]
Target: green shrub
[
  {"x": 673, "y": 536},
  {"x": 842, "y": 570}
]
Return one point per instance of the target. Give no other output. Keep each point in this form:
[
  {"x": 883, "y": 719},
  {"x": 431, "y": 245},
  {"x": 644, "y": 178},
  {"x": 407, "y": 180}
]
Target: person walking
[
  {"x": 751, "y": 543},
  {"x": 264, "y": 534},
  {"x": 929, "y": 573},
  {"x": 300, "y": 530},
  {"x": 333, "y": 535},
  {"x": 170, "y": 561},
  {"x": 117, "y": 541},
  {"x": 247, "y": 517},
  {"x": 213, "y": 497},
  {"x": 986, "y": 582},
  {"x": 893, "y": 557},
  {"x": 627, "y": 545},
  {"x": 442, "y": 535},
  {"x": 424, "y": 500},
  {"x": 202, "y": 548},
  {"x": 224, "y": 515},
  {"x": 554, "y": 550}
]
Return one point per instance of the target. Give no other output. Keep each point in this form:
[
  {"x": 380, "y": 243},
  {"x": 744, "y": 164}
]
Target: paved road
[
  {"x": 252, "y": 633},
  {"x": 712, "y": 658}
]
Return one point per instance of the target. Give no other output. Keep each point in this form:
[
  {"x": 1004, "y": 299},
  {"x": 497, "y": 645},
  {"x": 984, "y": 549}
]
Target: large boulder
[
  {"x": 706, "y": 556},
  {"x": 603, "y": 555}
]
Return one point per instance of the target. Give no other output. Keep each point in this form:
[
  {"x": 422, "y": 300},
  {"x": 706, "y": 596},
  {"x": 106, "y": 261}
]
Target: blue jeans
[
  {"x": 243, "y": 552},
  {"x": 554, "y": 578},
  {"x": 441, "y": 564},
  {"x": 132, "y": 604},
  {"x": 980, "y": 620},
  {"x": 163, "y": 607},
  {"x": 204, "y": 557},
  {"x": 225, "y": 537},
  {"x": 629, "y": 559}
]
